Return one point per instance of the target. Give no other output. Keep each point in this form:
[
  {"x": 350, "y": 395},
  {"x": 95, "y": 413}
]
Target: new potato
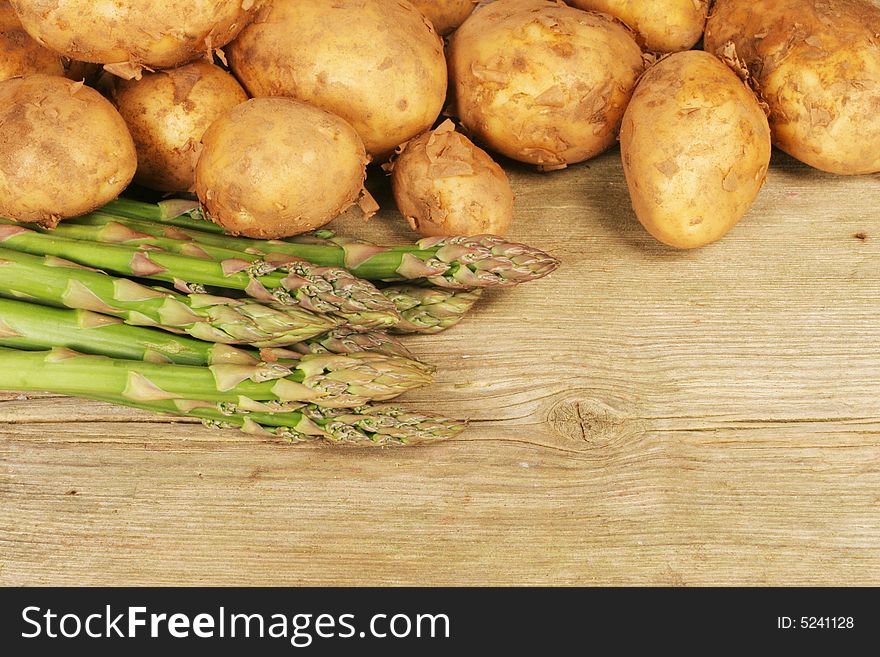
[
  {"x": 274, "y": 167},
  {"x": 376, "y": 63},
  {"x": 695, "y": 146},
  {"x": 661, "y": 25},
  {"x": 444, "y": 185},
  {"x": 541, "y": 82},
  {"x": 64, "y": 150},
  {"x": 167, "y": 113},
  {"x": 446, "y": 15},
  {"x": 128, "y": 34},
  {"x": 19, "y": 53},
  {"x": 816, "y": 64}
]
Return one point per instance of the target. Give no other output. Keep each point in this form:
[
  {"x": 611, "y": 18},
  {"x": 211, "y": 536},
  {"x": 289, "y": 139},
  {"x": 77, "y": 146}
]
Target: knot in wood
[{"x": 589, "y": 423}]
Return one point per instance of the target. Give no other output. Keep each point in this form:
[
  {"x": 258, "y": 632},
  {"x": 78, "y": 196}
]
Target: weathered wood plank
[{"x": 644, "y": 416}]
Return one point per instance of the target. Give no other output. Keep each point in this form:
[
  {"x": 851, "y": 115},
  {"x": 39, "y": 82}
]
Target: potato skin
[
  {"x": 274, "y": 167},
  {"x": 445, "y": 185},
  {"x": 695, "y": 146},
  {"x": 376, "y": 63},
  {"x": 543, "y": 83},
  {"x": 660, "y": 25},
  {"x": 154, "y": 34},
  {"x": 64, "y": 149},
  {"x": 446, "y": 15},
  {"x": 167, "y": 113},
  {"x": 817, "y": 66},
  {"x": 19, "y": 53}
]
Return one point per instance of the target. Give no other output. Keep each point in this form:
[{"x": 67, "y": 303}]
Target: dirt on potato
[{"x": 816, "y": 63}]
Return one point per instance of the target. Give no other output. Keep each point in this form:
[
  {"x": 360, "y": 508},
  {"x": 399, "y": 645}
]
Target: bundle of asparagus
[{"x": 153, "y": 307}]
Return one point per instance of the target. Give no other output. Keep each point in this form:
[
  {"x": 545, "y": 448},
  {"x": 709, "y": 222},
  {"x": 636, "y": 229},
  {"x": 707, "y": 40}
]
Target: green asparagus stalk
[
  {"x": 454, "y": 262},
  {"x": 186, "y": 214},
  {"x": 359, "y": 427},
  {"x": 344, "y": 340},
  {"x": 62, "y": 371},
  {"x": 55, "y": 281},
  {"x": 181, "y": 270},
  {"x": 382, "y": 425},
  {"x": 430, "y": 309},
  {"x": 330, "y": 290},
  {"x": 31, "y": 327},
  {"x": 332, "y": 380},
  {"x": 424, "y": 309}
]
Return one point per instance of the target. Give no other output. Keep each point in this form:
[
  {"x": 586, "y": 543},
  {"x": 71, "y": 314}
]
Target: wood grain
[{"x": 644, "y": 416}]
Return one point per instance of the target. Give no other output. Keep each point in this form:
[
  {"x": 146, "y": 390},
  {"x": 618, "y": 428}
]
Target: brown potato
[
  {"x": 274, "y": 167},
  {"x": 376, "y": 63},
  {"x": 128, "y": 34},
  {"x": 541, "y": 82},
  {"x": 167, "y": 113},
  {"x": 64, "y": 149},
  {"x": 696, "y": 146},
  {"x": 19, "y": 53},
  {"x": 660, "y": 25},
  {"x": 446, "y": 15},
  {"x": 817, "y": 66},
  {"x": 444, "y": 185}
]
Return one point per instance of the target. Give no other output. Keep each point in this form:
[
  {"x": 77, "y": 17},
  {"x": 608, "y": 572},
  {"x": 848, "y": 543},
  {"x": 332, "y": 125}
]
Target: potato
[
  {"x": 543, "y": 83},
  {"x": 167, "y": 113},
  {"x": 128, "y": 34},
  {"x": 64, "y": 149},
  {"x": 444, "y": 185},
  {"x": 660, "y": 25},
  {"x": 695, "y": 146},
  {"x": 376, "y": 63},
  {"x": 19, "y": 53},
  {"x": 446, "y": 15},
  {"x": 817, "y": 66},
  {"x": 274, "y": 167}
]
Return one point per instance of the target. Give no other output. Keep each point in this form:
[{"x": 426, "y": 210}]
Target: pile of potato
[{"x": 270, "y": 111}]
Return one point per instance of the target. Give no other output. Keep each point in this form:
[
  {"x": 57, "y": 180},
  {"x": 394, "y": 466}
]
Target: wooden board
[{"x": 644, "y": 416}]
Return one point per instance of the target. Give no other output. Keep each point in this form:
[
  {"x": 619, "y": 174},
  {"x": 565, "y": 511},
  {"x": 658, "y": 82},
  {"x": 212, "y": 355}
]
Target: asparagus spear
[
  {"x": 430, "y": 309},
  {"x": 28, "y": 326},
  {"x": 233, "y": 273},
  {"x": 423, "y": 309},
  {"x": 330, "y": 290},
  {"x": 364, "y": 426},
  {"x": 332, "y": 380},
  {"x": 31, "y": 327},
  {"x": 54, "y": 281},
  {"x": 381, "y": 425},
  {"x": 454, "y": 262},
  {"x": 188, "y": 214},
  {"x": 66, "y": 372},
  {"x": 343, "y": 340}
]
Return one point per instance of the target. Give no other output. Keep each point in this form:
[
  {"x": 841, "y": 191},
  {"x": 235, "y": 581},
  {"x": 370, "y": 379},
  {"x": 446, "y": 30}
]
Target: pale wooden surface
[{"x": 644, "y": 416}]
